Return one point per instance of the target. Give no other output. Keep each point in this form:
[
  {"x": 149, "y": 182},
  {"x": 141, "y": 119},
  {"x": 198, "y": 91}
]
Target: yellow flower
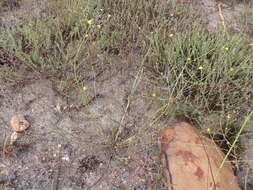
[
  {"x": 109, "y": 16},
  {"x": 229, "y": 116},
  {"x": 226, "y": 48},
  {"x": 251, "y": 44},
  {"x": 208, "y": 130},
  {"x": 153, "y": 94},
  {"x": 200, "y": 68},
  {"x": 231, "y": 69},
  {"x": 59, "y": 146},
  {"x": 188, "y": 59},
  {"x": 91, "y": 21},
  {"x": 171, "y": 14},
  {"x": 171, "y": 35},
  {"x": 86, "y": 35},
  {"x": 99, "y": 26},
  {"x": 85, "y": 88}
]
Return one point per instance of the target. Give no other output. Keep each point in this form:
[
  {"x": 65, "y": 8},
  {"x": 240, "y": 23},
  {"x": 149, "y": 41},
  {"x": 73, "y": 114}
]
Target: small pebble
[{"x": 19, "y": 123}]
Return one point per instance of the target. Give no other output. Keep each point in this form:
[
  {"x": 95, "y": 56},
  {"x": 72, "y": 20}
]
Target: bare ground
[{"x": 87, "y": 157}]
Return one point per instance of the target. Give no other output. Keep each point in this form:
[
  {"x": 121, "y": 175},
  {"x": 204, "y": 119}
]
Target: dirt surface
[
  {"x": 17, "y": 12},
  {"x": 73, "y": 149},
  {"x": 222, "y": 14}
]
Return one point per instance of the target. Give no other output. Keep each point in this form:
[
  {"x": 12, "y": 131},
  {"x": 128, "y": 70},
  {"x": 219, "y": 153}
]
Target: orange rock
[{"x": 192, "y": 161}]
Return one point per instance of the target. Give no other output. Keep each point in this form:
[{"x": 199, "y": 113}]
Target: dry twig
[{"x": 221, "y": 15}]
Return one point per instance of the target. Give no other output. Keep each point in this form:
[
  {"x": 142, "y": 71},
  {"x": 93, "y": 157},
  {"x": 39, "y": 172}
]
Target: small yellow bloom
[
  {"x": 200, "y": 68},
  {"x": 171, "y": 14},
  {"x": 99, "y": 26},
  {"x": 59, "y": 146},
  {"x": 209, "y": 130},
  {"x": 153, "y": 94},
  {"x": 142, "y": 180},
  {"x": 91, "y": 21},
  {"x": 101, "y": 9},
  {"x": 231, "y": 69},
  {"x": 130, "y": 139},
  {"x": 86, "y": 35},
  {"x": 188, "y": 59},
  {"x": 109, "y": 16},
  {"x": 226, "y": 48},
  {"x": 251, "y": 44},
  {"x": 229, "y": 116},
  {"x": 171, "y": 35},
  {"x": 85, "y": 88}
]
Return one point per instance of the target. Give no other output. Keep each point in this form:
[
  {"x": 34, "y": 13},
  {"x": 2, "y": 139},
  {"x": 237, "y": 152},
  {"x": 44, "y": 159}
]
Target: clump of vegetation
[{"x": 212, "y": 73}]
